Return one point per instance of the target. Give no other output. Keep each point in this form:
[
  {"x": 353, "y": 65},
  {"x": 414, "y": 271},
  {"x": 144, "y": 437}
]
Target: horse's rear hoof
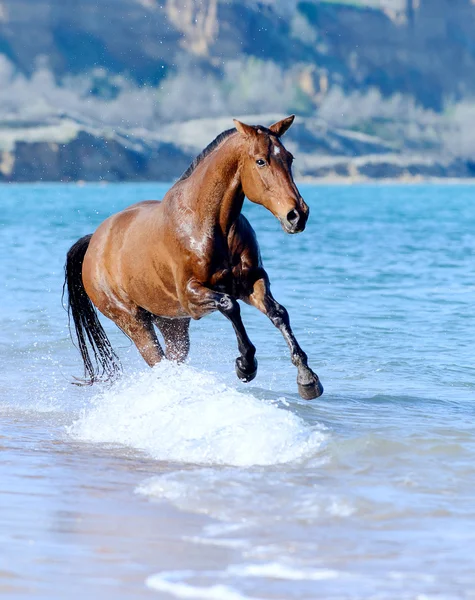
[
  {"x": 310, "y": 391},
  {"x": 245, "y": 375}
]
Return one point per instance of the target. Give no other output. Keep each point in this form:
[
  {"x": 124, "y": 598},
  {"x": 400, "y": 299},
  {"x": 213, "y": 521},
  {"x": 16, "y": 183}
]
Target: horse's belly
[
  {"x": 164, "y": 305},
  {"x": 155, "y": 291}
]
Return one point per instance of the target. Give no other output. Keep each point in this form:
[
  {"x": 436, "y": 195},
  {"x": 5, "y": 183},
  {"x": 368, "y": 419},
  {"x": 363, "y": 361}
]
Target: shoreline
[{"x": 65, "y": 150}]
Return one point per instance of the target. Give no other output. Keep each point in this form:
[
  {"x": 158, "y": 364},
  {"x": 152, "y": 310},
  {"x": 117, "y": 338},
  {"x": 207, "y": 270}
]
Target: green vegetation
[{"x": 311, "y": 9}]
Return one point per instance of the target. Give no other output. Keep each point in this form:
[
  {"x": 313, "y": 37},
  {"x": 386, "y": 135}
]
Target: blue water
[{"x": 368, "y": 492}]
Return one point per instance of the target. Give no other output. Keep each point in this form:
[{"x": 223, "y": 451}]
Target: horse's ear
[
  {"x": 244, "y": 129},
  {"x": 281, "y": 127}
]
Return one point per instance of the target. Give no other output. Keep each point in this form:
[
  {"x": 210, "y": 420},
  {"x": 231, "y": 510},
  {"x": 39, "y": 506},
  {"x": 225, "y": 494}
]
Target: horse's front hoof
[
  {"x": 246, "y": 373},
  {"x": 310, "y": 391}
]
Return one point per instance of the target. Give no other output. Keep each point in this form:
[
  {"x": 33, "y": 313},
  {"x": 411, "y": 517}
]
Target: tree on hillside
[{"x": 410, "y": 11}]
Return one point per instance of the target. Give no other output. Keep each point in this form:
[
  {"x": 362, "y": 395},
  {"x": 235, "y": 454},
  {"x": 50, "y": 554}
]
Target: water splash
[{"x": 178, "y": 413}]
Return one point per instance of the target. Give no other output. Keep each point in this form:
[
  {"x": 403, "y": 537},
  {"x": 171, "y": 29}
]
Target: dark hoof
[
  {"x": 246, "y": 374},
  {"x": 310, "y": 391}
]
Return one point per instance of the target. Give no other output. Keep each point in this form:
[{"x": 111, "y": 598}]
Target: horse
[{"x": 162, "y": 263}]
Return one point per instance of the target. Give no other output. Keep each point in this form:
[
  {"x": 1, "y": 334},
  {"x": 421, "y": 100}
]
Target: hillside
[
  {"x": 66, "y": 150},
  {"x": 369, "y": 78},
  {"x": 428, "y": 53}
]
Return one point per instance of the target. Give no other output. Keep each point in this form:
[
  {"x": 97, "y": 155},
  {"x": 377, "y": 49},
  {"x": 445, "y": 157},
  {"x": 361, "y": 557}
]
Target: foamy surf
[
  {"x": 178, "y": 583},
  {"x": 178, "y": 413},
  {"x": 170, "y": 584},
  {"x": 235, "y": 496}
]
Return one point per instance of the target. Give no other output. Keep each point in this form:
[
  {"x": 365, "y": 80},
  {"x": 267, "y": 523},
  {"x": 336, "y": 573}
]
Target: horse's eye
[{"x": 261, "y": 162}]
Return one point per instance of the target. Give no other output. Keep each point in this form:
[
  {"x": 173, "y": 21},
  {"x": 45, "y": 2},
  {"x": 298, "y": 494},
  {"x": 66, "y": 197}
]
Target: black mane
[{"x": 209, "y": 148}]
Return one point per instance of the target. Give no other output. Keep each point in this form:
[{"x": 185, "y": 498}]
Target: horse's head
[{"x": 266, "y": 173}]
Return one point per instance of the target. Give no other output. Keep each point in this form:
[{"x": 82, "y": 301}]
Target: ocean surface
[{"x": 182, "y": 482}]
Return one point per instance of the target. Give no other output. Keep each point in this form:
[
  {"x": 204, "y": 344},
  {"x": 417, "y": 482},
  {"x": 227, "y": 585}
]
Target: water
[{"x": 181, "y": 482}]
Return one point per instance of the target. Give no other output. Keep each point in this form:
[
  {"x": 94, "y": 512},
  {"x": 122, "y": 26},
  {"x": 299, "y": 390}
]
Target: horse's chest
[
  {"x": 225, "y": 277},
  {"x": 224, "y": 270}
]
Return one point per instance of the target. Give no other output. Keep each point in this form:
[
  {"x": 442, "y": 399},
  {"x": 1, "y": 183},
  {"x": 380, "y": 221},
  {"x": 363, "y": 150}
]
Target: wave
[
  {"x": 177, "y": 583},
  {"x": 178, "y": 413},
  {"x": 166, "y": 582}
]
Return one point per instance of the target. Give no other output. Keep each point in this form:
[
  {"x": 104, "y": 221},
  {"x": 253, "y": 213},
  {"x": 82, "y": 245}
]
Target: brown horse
[{"x": 160, "y": 263}]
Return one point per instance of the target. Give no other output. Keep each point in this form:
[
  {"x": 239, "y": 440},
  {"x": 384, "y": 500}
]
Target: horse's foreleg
[
  {"x": 308, "y": 382},
  {"x": 201, "y": 300}
]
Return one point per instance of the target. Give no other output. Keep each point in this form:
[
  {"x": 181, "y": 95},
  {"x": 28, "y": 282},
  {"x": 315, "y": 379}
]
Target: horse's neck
[{"x": 217, "y": 194}]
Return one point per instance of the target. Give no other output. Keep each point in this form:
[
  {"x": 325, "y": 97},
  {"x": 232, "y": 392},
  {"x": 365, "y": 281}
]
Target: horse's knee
[{"x": 228, "y": 306}]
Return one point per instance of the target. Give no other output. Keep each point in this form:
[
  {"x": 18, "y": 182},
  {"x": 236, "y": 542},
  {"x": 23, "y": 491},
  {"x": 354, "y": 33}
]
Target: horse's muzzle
[{"x": 294, "y": 221}]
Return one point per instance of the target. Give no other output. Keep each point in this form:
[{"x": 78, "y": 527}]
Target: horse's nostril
[{"x": 293, "y": 216}]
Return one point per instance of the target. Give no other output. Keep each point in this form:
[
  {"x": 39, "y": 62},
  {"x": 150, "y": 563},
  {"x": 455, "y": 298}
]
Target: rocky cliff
[{"x": 65, "y": 150}]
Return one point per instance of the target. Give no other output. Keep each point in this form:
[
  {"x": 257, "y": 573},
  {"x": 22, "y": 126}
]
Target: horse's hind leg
[
  {"x": 138, "y": 326},
  {"x": 134, "y": 321},
  {"x": 176, "y": 335}
]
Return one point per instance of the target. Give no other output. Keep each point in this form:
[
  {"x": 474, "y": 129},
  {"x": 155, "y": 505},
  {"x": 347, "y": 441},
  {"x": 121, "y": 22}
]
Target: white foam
[
  {"x": 278, "y": 571},
  {"x": 177, "y": 413},
  {"x": 177, "y": 583},
  {"x": 166, "y": 582},
  {"x": 235, "y": 497}
]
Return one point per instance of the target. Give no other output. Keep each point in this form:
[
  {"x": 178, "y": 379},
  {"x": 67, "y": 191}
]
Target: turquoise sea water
[{"x": 181, "y": 482}]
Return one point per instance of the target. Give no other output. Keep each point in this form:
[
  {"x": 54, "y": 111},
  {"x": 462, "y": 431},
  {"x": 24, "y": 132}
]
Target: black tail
[{"x": 105, "y": 365}]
